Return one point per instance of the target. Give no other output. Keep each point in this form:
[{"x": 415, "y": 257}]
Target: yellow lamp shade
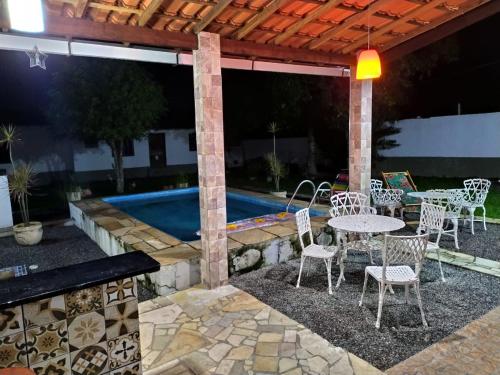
[{"x": 368, "y": 65}]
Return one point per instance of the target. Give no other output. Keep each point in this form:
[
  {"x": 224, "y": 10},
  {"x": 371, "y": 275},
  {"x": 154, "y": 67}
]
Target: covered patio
[
  {"x": 226, "y": 331},
  {"x": 298, "y": 36}
]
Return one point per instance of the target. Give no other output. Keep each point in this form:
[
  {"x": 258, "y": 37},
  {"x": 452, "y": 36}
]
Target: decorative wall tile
[
  {"x": 121, "y": 319},
  {"x": 44, "y": 311},
  {"x": 91, "y": 360},
  {"x": 132, "y": 369},
  {"x": 87, "y": 329},
  {"x": 83, "y": 301},
  {"x": 120, "y": 291},
  {"x": 11, "y": 321},
  {"x": 13, "y": 351},
  {"x": 54, "y": 366},
  {"x": 47, "y": 341},
  {"x": 124, "y": 350}
]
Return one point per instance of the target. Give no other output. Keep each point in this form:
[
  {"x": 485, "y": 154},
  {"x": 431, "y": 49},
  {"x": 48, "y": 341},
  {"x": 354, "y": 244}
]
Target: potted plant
[
  {"x": 276, "y": 168},
  {"x": 182, "y": 181},
  {"x": 20, "y": 183}
]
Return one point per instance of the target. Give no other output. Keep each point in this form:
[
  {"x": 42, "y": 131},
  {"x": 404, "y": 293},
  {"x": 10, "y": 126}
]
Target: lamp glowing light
[
  {"x": 26, "y": 15},
  {"x": 368, "y": 65}
]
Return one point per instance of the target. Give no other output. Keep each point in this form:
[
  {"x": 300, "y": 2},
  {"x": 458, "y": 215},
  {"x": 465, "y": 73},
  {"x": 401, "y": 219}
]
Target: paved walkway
[
  {"x": 470, "y": 262},
  {"x": 227, "y": 331},
  {"x": 472, "y": 350}
]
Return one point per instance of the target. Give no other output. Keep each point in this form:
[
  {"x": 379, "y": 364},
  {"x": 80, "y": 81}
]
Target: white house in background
[
  {"x": 448, "y": 146},
  {"x": 160, "y": 153}
]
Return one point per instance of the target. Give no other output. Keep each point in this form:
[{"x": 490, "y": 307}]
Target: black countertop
[{"x": 19, "y": 290}]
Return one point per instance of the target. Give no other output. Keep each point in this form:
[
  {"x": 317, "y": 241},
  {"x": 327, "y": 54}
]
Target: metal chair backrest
[
  {"x": 404, "y": 250},
  {"x": 387, "y": 197},
  {"x": 375, "y": 184},
  {"x": 349, "y": 203},
  {"x": 451, "y": 199},
  {"x": 476, "y": 190},
  {"x": 304, "y": 226},
  {"x": 431, "y": 217}
]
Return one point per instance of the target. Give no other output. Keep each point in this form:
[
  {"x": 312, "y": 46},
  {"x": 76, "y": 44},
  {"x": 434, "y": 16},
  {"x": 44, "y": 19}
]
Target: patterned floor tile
[
  {"x": 11, "y": 321},
  {"x": 87, "y": 329},
  {"x": 123, "y": 350},
  {"x": 54, "y": 366},
  {"x": 91, "y": 360},
  {"x": 13, "y": 351},
  {"x": 47, "y": 341},
  {"x": 83, "y": 301},
  {"x": 121, "y": 319},
  {"x": 44, "y": 311},
  {"x": 119, "y": 291},
  {"x": 132, "y": 369}
]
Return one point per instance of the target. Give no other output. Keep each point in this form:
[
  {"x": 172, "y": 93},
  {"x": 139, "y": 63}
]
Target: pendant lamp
[{"x": 368, "y": 66}]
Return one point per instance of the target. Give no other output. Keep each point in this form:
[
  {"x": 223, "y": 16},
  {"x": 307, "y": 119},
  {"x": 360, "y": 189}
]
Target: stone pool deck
[
  {"x": 117, "y": 232},
  {"x": 228, "y": 332},
  {"x": 474, "y": 349}
]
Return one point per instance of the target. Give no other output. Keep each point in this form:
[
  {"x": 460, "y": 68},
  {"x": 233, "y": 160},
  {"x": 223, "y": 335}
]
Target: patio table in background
[
  {"x": 431, "y": 194},
  {"x": 363, "y": 224}
]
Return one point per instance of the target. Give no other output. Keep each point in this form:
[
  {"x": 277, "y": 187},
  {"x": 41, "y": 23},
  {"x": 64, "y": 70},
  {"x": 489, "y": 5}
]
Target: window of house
[
  {"x": 192, "y": 141},
  {"x": 128, "y": 147}
]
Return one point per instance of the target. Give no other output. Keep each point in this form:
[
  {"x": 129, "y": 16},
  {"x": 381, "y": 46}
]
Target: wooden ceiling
[{"x": 287, "y": 29}]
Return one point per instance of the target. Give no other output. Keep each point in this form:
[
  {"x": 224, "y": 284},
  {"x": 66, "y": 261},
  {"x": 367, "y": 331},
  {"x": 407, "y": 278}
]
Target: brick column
[
  {"x": 360, "y": 134},
  {"x": 210, "y": 144}
]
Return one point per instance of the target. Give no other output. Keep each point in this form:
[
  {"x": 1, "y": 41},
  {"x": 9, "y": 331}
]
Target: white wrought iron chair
[
  {"x": 312, "y": 250},
  {"x": 389, "y": 199},
  {"x": 376, "y": 184},
  {"x": 353, "y": 203},
  {"x": 350, "y": 203},
  {"x": 453, "y": 200},
  {"x": 431, "y": 221},
  {"x": 398, "y": 252},
  {"x": 476, "y": 191}
]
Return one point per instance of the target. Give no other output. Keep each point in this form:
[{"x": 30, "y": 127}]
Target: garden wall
[{"x": 448, "y": 146}]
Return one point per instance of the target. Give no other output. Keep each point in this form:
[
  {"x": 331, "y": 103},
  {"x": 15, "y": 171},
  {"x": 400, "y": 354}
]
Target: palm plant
[
  {"x": 22, "y": 177},
  {"x": 276, "y": 168}
]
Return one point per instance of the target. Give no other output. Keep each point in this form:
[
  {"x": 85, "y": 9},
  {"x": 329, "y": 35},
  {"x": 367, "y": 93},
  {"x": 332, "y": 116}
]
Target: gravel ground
[
  {"x": 61, "y": 246},
  {"x": 484, "y": 244},
  {"x": 465, "y": 296}
]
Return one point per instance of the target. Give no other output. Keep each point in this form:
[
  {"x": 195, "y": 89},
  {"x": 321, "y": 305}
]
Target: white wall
[
  {"x": 469, "y": 136},
  {"x": 5, "y": 208},
  {"x": 177, "y": 144},
  {"x": 101, "y": 159}
]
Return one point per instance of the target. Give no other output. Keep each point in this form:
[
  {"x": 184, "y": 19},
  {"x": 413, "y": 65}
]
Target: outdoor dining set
[{"x": 356, "y": 223}]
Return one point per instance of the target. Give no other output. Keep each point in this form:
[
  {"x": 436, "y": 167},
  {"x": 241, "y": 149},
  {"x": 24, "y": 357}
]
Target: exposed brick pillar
[
  {"x": 210, "y": 143},
  {"x": 360, "y": 134}
]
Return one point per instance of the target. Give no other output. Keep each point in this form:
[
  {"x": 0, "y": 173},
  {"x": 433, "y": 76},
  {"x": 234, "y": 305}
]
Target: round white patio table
[{"x": 360, "y": 224}]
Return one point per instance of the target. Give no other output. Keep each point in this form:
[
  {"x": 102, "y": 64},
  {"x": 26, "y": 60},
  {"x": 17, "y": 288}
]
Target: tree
[{"x": 108, "y": 100}]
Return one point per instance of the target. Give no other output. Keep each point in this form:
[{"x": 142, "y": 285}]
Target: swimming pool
[{"x": 177, "y": 212}]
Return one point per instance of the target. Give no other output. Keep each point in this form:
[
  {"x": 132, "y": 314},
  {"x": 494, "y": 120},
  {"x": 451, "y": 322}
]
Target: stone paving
[
  {"x": 470, "y": 262},
  {"x": 474, "y": 349},
  {"x": 227, "y": 331}
]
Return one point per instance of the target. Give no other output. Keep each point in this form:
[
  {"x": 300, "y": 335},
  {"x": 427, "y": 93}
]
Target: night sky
[{"x": 473, "y": 81}]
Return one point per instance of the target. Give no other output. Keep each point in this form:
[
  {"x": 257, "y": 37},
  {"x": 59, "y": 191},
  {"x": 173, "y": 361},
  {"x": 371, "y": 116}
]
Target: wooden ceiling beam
[
  {"x": 260, "y": 17},
  {"x": 348, "y": 22},
  {"x": 440, "y": 28},
  {"x": 148, "y": 12},
  {"x": 77, "y": 28},
  {"x": 212, "y": 14},
  {"x": 311, "y": 16},
  {"x": 114, "y": 8},
  {"x": 80, "y": 8},
  {"x": 391, "y": 25}
]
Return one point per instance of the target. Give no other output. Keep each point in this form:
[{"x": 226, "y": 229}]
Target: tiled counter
[{"x": 79, "y": 320}]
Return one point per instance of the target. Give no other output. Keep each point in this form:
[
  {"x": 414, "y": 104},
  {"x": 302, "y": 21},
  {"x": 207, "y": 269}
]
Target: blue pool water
[{"x": 177, "y": 211}]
